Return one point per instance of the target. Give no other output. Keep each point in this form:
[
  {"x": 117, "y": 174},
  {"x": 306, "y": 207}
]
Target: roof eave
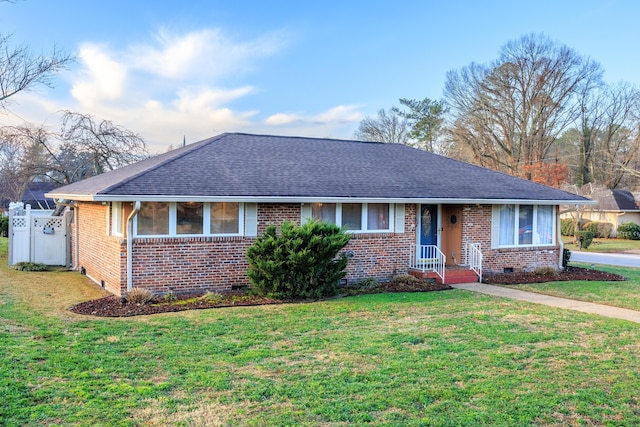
[{"x": 310, "y": 199}]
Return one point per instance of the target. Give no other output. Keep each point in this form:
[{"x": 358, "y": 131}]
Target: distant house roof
[
  {"x": 34, "y": 195},
  {"x": 615, "y": 200},
  {"x": 246, "y": 167}
]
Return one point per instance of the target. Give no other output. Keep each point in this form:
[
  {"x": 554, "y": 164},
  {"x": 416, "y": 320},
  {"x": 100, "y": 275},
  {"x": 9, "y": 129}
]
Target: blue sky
[{"x": 166, "y": 69}]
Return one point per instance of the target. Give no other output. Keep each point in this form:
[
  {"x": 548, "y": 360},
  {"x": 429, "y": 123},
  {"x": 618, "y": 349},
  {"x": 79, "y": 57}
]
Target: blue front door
[{"x": 428, "y": 225}]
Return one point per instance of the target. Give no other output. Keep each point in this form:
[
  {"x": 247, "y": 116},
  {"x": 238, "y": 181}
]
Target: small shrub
[
  {"x": 368, "y": 283},
  {"x": 170, "y": 296},
  {"x": 213, "y": 297},
  {"x": 629, "y": 231},
  {"x": 546, "y": 271},
  {"x": 586, "y": 238},
  {"x": 139, "y": 296},
  {"x": 567, "y": 227},
  {"x": 566, "y": 257},
  {"x": 4, "y": 226},
  {"x": 30, "y": 266},
  {"x": 405, "y": 279}
]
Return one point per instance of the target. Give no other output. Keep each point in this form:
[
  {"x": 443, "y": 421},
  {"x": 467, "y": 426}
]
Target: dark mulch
[
  {"x": 113, "y": 306},
  {"x": 570, "y": 273}
]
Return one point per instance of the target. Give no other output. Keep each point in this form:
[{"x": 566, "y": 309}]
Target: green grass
[
  {"x": 605, "y": 245},
  {"x": 619, "y": 294},
  {"x": 442, "y": 358}
]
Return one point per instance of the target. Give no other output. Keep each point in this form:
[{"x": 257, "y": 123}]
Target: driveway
[{"x": 624, "y": 260}]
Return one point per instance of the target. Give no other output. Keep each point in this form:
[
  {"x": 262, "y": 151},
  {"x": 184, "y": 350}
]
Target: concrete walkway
[{"x": 586, "y": 307}]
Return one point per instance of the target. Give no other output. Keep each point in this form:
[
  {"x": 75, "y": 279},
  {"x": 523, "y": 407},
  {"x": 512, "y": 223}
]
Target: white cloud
[
  {"x": 282, "y": 119},
  {"x": 102, "y": 78},
  {"x": 173, "y": 86},
  {"x": 207, "y": 54}
]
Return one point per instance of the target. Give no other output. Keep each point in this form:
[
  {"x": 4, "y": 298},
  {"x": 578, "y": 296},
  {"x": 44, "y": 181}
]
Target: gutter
[
  {"x": 322, "y": 199},
  {"x": 134, "y": 212}
]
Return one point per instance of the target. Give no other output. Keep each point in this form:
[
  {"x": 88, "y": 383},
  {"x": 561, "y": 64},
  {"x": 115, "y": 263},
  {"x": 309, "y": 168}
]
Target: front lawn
[
  {"x": 437, "y": 358},
  {"x": 605, "y": 245},
  {"x": 624, "y": 294}
]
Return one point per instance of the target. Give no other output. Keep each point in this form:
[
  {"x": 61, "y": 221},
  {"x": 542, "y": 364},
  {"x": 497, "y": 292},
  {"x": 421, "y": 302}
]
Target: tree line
[{"x": 540, "y": 111}]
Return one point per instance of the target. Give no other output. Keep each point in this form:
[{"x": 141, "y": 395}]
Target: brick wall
[
  {"x": 196, "y": 264},
  {"x": 476, "y": 228},
  {"x": 382, "y": 255},
  {"x": 277, "y": 213},
  {"x": 100, "y": 255},
  {"x": 190, "y": 264}
]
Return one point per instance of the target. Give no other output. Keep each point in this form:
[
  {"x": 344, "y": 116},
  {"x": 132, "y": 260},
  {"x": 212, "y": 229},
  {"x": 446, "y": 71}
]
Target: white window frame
[
  {"x": 364, "y": 218},
  {"x": 495, "y": 227},
  {"x": 116, "y": 219},
  {"x": 206, "y": 225}
]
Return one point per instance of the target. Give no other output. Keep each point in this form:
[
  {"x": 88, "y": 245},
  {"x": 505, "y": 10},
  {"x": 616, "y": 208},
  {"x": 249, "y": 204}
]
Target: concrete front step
[{"x": 451, "y": 275}]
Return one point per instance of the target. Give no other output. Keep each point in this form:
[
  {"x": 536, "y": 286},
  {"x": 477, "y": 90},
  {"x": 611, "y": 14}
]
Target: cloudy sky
[{"x": 194, "y": 69}]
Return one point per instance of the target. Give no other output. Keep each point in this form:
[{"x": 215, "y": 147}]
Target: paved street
[{"x": 625, "y": 260}]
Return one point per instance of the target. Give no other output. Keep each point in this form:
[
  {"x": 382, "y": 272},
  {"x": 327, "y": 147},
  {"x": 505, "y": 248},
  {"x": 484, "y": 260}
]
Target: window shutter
[
  {"x": 399, "y": 208},
  {"x": 251, "y": 221},
  {"x": 305, "y": 212}
]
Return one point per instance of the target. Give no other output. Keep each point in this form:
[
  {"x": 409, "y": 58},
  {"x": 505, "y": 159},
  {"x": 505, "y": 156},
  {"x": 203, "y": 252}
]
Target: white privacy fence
[{"x": 36, "y": 236}]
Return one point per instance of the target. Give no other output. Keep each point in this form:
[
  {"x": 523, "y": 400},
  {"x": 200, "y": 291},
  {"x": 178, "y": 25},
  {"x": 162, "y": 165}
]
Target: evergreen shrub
[
  {"x": 587, "y": 238},
  {"x": 629, "y": 231},
  {"x": 298, "y": 262},
  {"x": 567, "y": 227}
]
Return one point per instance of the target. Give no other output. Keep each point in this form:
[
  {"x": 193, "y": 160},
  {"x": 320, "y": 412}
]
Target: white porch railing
[
  {"x": 474, "y": 259},
  {"x": 428, "y": 258}
]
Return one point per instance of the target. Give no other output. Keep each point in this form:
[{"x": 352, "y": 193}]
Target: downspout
[
  {"x": 134, "y": 212},
  {"x": 559, "y": 237}
]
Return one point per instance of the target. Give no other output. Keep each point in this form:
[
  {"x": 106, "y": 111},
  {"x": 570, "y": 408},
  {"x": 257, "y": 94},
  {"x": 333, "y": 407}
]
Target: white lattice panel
[{"x": 19, "y": 222}]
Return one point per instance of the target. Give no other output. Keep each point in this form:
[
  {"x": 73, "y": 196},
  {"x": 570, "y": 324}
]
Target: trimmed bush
[
  {"x": 566, "y": 257},
  {"x": 600, "y": 230},
  {"x": 299, "y": 262},
  {"x": 629, "y": 231},
  {"x": 587, "y": 238},
  {"x": 4, "y": 226},
  {"x": 567, "y": 227}
]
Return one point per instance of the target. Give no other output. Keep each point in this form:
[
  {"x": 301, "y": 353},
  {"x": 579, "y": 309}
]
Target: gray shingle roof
[{"x": 238, "y": 165}]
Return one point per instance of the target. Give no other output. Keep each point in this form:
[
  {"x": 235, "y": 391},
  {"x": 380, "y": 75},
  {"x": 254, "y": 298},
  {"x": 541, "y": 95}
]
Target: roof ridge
[
  {"x": 178, "y": 153},
  {"x": 317, "y": 138}
]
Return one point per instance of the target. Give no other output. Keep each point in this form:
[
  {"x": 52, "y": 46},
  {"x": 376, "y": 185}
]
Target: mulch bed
[
  {"x": 570, "y": 273},
  {"x": 113, "y": 306}
]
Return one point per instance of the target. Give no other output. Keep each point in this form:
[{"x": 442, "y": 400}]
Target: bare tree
[
  {"x": 22, "y": 159},
  {"x": 618, "y": 142},
  {"x": 511, "y": 111},
  {"x": 386, "y": 127},
  {"x": 85, "y": 147},
  {"x": 20, "y": 69},
  {"x": 109, "y": 146}
]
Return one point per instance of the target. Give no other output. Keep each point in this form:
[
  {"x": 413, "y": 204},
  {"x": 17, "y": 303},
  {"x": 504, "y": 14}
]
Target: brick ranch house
[{"x": 183, "y": 220}]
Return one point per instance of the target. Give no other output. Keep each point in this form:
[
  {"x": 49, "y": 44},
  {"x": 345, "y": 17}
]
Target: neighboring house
[
  {"x": 34, "y": 195},
  {"x": 614, "y": 207},
  {"x": 183, "y": 220}
]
